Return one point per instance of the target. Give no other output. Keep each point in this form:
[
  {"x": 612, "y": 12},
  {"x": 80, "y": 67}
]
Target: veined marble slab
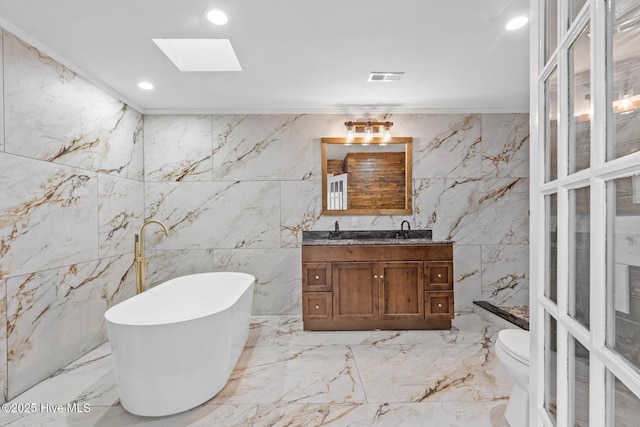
[
  {"x": 215, "y": 215},
  {"x": 268, "y": 147},
  {"x": 300, "y": 209},
  {"x": 167, "y": 264},
  {"x": 330, "y": 376},
  {"x": 3, "y": 339},
  {"x": 277, "y": 273},
  {"x": 178, "y": 148},
  {"x": 483, "y": 211},
  {"x": 120, "y": 214},
  {"x": 48, "y": 215},
  {"x": 475, "y": 414},
  {"x": 505, "y": 274},
  {"x": 2, "y": 146},
  {"x": 48, "y": 116},
  {"x": 54, "y": 316},
  {"x": 467, "y": 270},
  {"x": 446, "y": 145},
  {"x": 505, "y": 145}
]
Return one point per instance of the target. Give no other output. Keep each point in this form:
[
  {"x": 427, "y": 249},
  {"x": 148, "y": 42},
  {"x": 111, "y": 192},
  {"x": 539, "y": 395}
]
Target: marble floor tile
[
  {"x": 288, "y": 377},
  {"x": 465, "y": 373},
  {"x": 294, "y": 374},
  {"x": 472, "y": 414}
]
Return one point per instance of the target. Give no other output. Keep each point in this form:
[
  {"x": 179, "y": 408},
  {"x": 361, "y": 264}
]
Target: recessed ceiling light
[
  {"x": 517, "y": 22},
  {"x": 200, "y": 54},
  {"x": 217, "y": 17},
  {"x": 145, "y": 85}
]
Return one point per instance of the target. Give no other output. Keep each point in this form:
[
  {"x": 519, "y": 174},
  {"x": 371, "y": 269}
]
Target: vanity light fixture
[{"x": 368, "y": 129}]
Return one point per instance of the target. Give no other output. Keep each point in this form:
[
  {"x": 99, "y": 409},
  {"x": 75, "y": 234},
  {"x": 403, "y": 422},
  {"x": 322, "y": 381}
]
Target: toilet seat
[{"x": 515, "y": 343}]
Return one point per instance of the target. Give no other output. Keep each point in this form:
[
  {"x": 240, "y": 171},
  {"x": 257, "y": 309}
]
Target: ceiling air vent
[{"x": 380, "y": 76}]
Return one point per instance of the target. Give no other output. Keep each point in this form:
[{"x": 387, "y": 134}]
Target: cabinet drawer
[
  {"x": 438, "y": 276},
  {"x": 439, "y": 305},
  {"x": 317, "y": 305},
  {"x": 316, "y": 277}
]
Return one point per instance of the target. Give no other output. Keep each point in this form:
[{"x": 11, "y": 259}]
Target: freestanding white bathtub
[{"x": 175, "y": 345}]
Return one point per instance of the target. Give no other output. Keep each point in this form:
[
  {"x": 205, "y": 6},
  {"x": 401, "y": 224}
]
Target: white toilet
[{"x": 512, "y": 349}]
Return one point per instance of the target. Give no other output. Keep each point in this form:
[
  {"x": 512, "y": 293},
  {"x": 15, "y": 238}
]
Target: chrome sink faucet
[{"x": 139, "y": 258}]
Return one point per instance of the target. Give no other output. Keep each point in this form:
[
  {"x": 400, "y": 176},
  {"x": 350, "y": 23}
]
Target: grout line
[{"x": 355, "y": 362}]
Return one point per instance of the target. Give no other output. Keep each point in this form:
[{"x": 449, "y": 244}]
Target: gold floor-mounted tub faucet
[{"x": 139, "y": 257}]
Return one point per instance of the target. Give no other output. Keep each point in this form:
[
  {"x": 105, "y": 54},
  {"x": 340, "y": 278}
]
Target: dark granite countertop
[{"x": 368, "y": 237}]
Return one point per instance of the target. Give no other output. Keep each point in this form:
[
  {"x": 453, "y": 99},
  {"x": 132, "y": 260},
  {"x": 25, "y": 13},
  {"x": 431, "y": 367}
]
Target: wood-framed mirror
[{"x": 371, "y": 179}]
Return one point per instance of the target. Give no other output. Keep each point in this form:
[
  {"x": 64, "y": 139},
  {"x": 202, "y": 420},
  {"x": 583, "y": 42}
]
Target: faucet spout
[
  {"x": 403, "y": 234},
  {"x": 139, "y": 257},
  {"x": 335, "y": 234}
]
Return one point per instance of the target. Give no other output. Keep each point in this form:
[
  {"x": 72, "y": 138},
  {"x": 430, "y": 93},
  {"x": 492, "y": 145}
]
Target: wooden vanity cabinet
[{"x": 360, "y": 287}]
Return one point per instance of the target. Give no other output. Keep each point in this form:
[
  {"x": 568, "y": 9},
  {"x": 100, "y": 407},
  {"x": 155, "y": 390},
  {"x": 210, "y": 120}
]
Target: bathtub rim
[{"x": 112, "y": 314}]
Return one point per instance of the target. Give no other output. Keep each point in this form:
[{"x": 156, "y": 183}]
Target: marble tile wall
[
  {"x": 71, "y": 175},
  {"x": 237, "y": 190}
]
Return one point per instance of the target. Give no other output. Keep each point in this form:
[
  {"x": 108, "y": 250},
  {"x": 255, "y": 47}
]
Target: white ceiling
[{"x": 297, "y": 56}]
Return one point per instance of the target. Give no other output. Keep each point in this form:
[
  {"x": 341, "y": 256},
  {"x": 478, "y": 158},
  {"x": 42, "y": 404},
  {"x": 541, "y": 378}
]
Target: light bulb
[
  {"x": 368, "y": 133},
  {"x": 350, "y": 133},
  {"x": 386, "y": 136}
]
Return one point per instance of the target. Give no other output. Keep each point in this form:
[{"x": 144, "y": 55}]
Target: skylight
[{"x": 200, "y": 54}]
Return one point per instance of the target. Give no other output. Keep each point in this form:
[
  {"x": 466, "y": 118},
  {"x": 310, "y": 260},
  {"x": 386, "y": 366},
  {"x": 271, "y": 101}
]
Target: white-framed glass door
[{"x": 585, "y": 213}]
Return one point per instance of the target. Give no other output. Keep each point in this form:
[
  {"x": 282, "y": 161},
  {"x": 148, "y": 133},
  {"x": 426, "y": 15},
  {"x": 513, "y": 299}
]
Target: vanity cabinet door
[
  {"x": 316, "y": 277},
  {"x": 439, "y": 305},
  {"x": 438, "y": 276},
  {"x": 355, "y": 291},
  {"x": 401, "y": 293}
]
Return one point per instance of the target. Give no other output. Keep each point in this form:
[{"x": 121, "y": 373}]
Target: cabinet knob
[
  {"x": 317, "y": 306},
  {"x": 439, "y": 306},
  {"x": 381, "y": 276},
  {"x": 375, "y": 276},
  {"x": 439, "y": 275},
  {"x": 317, "y": 277}
]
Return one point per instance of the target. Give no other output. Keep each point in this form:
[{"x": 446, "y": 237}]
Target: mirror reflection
[{"x": 373, "y": 179}]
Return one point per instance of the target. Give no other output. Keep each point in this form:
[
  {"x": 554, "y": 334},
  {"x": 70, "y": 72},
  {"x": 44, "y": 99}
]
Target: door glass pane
[
  {"x": 550, "y": 366},
  {"x": 578, "y": 383},
  {"x": 624, "y": 33},
  {"x": 580, "y": 103},
  {"x": 575, "y": 6},
  {"x": 580, "y": 221},
  {"x": 623, "y": 247},
  {"x": 551, "y": 257},
  {"x": 551, "y": 126},
  {"x": 623, "y": 406},
  {"x": 551, "y": 28}
]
